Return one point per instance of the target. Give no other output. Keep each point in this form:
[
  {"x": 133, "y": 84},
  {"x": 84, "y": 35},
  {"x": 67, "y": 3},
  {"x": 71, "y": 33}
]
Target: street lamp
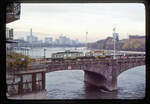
[
  {"x": 44, "y": 52},
  {"x": 114, "y": 36},
  {"x": 86, "y": 40}
]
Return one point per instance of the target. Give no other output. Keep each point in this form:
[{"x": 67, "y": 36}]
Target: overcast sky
[{"x": 73, "y": 20}]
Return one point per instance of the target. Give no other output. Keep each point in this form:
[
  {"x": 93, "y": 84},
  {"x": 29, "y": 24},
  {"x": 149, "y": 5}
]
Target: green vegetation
[
  {"x": 135, "y": 44},
  {"x": 16, "y": 62}
]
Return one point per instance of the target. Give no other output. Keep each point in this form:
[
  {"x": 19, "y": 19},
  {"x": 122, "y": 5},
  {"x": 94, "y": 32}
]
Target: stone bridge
[{"x": 98, "y": 71}]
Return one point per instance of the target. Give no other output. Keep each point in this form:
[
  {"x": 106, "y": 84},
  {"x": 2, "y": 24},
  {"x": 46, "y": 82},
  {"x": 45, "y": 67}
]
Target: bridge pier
[{"x": 100, "y": 81}]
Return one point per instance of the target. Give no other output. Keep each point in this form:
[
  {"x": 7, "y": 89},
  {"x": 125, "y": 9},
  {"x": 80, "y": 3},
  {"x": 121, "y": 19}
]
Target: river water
[{"x": 69, "y": 84}]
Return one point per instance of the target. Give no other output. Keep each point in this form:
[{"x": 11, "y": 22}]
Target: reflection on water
[{"x": 70, "y": 85}]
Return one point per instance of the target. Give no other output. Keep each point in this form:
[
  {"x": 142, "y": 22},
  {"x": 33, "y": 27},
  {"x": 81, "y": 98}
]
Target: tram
[
  {"x": 67, "y": 55},
  {"x": 97, "y": 54},
  {"x": 75, "y": 54}
]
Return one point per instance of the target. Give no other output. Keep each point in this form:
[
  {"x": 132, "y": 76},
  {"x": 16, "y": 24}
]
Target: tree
[{"x": 16, "y": 62}]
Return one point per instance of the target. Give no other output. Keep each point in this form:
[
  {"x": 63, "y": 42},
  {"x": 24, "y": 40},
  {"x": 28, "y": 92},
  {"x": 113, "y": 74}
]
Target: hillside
[{"x": 136, "y": 43}]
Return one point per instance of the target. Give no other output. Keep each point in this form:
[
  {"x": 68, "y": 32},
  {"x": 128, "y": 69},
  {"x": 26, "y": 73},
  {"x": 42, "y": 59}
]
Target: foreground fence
[{"x": 27, "y": 82}]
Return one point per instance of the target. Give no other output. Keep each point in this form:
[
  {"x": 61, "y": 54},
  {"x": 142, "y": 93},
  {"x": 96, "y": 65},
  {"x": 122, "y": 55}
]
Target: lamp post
[
  {"x": 22, "y": 60},
  {"x": 114, "y": 36},
  {"x": 44, "y": 53},
  {"x": 27, "y": 51},
  {"x": 86, "y": 39}
]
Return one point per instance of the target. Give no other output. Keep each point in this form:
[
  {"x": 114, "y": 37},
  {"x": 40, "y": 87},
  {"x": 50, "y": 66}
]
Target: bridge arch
[
  {"x": 132, "y": 77},
  {"x": 132, "y": 68},
  {"x": 64, "y": 72},
  {"x": 89, "y": 77},
  {"x": 124, "y": 66},
  {"x": 60, "y": 69},
  {"x": 90, "y": 72}
]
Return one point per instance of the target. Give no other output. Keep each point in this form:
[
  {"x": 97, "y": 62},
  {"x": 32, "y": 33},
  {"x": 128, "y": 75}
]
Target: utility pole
[
  {"x": 114, "y": 36},
  {"x": 30, "y": 40},
  {"x": 44, "y": 53},
  {"x": 86, "y": 38}
]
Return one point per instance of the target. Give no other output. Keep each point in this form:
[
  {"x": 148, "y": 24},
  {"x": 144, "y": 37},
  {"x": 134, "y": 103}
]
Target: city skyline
[
  {"x": 74, "y": 20},
  {"x": 60, "y": 40}
]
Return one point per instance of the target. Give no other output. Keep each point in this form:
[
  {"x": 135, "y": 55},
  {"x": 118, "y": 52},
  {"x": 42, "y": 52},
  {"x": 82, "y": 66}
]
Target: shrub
[{"x": 16, "y": 62}]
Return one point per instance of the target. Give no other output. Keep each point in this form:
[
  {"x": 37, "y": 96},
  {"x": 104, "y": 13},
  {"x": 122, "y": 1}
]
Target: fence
[{"x": 28, "y": 82}]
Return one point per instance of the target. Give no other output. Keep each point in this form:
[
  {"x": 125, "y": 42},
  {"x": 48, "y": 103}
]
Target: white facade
[{"x": 9, "y": 33}]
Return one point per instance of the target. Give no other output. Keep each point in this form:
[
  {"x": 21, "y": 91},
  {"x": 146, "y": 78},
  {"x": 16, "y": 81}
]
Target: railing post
[
  {"x": 43, "y": 80},
  {"x": 33, "y": 82},
  {"x": 20, "y": 85}
]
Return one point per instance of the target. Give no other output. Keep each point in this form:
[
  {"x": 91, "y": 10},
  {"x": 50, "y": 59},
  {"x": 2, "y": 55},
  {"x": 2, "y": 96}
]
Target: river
[{"x": 69, "y": 84}]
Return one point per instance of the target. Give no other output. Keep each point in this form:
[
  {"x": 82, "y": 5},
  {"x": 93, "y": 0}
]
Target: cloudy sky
[{"x": 73, "y": 20}]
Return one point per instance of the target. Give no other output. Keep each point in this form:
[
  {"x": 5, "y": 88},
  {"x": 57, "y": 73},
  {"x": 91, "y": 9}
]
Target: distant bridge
[{"x": 102, "y": 72}]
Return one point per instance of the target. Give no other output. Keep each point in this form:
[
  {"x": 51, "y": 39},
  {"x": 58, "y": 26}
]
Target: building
[
  {"x": 31, "y": 38},
  {"x": 136, "y": 37},
  {"x": 21, "y": 38},
  {"x": 9, "y": 33},
  {"x": 56, "y": 42},
  {"x": 63, "y": 40},
  {"x": 13, "y": 12},
  {"x": 48, "y": 40}
]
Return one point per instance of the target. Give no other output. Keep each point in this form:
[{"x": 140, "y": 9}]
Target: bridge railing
[
  {"x": 80, "y": 61},
  {"x": 37, "y": 63}
]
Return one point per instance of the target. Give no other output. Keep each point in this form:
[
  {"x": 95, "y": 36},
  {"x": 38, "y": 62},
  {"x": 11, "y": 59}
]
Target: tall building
[
  {"x": 64, "y": 40},
  {"x": 57, "y": 42},
  {"x": 31, "y": 38},
  {"x": 21, "y": 38},
  {"x": 48, "y": 40}
]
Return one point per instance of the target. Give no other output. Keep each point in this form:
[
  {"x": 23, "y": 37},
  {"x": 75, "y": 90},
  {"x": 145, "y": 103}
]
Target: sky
[{"x": 74, "y": 20}]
